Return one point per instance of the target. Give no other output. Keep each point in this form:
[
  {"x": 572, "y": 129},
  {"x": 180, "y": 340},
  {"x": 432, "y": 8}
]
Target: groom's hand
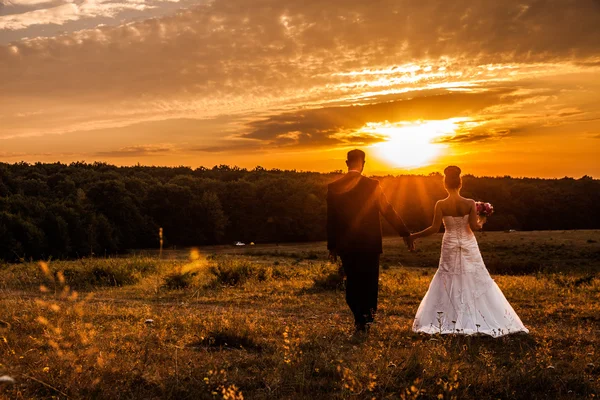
[
  {"x": 333, "y": 256},
  {"x": 410, "y": 243}
]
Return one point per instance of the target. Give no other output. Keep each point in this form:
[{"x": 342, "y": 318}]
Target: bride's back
[{"x": 456, "y": 206}]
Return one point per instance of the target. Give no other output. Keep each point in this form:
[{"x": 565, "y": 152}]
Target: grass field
[{"x": 266, "y": 321}]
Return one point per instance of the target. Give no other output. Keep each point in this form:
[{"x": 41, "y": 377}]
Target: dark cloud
[
  {"x": 566, "y": 114},
  {"x": 298, "y": 141},
  {"x": 227, "y": 146},
  {"x": 363, "y": 139},
  {"x": 466, "y": 138},
  {"x": 213, "y": 149},
  {"x": 141, "y": 150},
  {"x": 335, "y": 125}
]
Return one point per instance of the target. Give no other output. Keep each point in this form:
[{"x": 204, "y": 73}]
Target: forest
[{"x": 75, "y": 210}]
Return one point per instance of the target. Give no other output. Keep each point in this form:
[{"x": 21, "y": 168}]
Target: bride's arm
[
  {"x": 474, "y": 221},
  {"x": 435, "y": 226}
]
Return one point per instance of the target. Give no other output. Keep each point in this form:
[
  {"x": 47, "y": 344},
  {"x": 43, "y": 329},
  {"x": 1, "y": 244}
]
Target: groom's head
[{"x": 356, "y": 160}]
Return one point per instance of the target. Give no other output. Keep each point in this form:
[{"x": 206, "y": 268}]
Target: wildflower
[{"x": 45, "y": 269}]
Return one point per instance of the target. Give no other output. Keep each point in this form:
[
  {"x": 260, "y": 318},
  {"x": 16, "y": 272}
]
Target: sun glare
[{"x": 412, "y": 144}]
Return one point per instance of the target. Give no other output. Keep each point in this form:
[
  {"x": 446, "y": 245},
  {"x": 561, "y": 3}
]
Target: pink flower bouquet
[{"x": 484, "y": 209}]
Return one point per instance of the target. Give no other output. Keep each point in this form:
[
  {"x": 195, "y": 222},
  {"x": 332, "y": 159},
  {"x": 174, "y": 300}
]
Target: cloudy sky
[{"x": 499, "y": 88}]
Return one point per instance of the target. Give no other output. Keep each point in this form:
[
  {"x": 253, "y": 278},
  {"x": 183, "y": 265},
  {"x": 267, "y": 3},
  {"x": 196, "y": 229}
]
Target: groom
[{"x": 354, "y": 203}]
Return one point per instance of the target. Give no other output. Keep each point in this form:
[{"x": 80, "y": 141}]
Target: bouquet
[{"x": 484, "y": 209}]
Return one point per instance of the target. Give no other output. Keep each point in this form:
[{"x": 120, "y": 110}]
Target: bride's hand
[{"x": 482, "y": 220}]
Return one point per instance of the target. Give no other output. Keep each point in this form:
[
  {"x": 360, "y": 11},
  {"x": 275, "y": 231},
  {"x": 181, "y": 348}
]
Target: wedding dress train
[{"x": 462, "y": 297}]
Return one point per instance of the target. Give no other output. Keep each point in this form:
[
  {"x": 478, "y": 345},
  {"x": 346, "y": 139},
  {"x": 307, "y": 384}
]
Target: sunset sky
[{"x": 496, "y": 87}]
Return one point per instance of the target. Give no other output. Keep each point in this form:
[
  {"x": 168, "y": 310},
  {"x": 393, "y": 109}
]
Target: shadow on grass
[{"x": 226, "y": 340}]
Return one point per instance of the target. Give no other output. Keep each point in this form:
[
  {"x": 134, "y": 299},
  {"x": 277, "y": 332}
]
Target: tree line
[{"x": 80, "y": 209}]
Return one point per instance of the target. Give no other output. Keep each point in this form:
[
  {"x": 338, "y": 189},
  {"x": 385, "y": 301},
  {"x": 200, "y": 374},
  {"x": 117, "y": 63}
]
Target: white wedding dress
[{"x": 462, "y": 297}]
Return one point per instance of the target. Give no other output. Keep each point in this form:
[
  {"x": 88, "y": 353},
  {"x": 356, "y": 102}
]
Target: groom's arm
[
  {"x": 387, "y": 210},
  {"x": 331, "y": 223}
]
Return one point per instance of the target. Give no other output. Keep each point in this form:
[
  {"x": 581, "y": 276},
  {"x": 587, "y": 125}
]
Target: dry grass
[{"x": 277, "y": 333}]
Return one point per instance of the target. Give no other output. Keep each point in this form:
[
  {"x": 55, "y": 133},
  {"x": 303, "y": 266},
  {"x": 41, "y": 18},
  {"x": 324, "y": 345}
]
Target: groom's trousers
[{"x": 362, "y": 285}]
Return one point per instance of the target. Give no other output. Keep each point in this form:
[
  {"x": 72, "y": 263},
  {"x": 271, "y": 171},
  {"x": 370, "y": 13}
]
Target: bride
[{"x": 462, "y": 297}]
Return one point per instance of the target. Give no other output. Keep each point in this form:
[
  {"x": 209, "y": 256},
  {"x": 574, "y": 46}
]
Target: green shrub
[
  {"x": 109, "y": 272},
  {"x": 264, "y": 274},
  {"x": 110, "y": 275},
  {"x": 329, "y": 280},
  {"x": 279, "y": 273},
  {"x": 179, "y": 280},
  {"x": 236, "y": 272},
  {"x": 81, "y": 274},
  {"x": 232, "y": 272}
]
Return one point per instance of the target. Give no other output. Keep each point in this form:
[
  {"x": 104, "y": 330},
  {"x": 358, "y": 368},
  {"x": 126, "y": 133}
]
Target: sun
[{"x": 412, "y": 144}]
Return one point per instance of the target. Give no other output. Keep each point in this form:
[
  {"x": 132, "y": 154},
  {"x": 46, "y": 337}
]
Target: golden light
[
  {"x": 412, "y": 144},
  {"x": 194, "y": 254}
]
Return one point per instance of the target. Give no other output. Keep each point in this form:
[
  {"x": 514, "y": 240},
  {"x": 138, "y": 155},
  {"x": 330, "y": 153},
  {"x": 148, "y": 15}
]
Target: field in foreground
[{"x": 271, "y": 322}]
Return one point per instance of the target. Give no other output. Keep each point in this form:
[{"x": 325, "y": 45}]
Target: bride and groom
[{"x": 462, "y": 297}]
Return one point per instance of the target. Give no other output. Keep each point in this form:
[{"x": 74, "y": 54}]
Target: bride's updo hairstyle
[{"x": 452, "y": 179}]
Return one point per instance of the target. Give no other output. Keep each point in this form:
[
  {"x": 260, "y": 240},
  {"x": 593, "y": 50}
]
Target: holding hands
[{"x": 410, "y": 242}]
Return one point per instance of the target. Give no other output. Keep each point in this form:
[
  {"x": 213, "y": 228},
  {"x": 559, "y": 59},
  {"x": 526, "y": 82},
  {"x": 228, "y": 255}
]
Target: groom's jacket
[{"x": 354, "y": 203}]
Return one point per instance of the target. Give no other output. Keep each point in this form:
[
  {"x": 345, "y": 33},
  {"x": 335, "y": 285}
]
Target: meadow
[{"x": 270, "y": 322}]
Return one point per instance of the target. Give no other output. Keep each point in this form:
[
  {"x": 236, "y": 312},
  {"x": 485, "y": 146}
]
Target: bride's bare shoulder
[
  {"x": 441, "y": 203},
  {"x": 470, "y": 205}
]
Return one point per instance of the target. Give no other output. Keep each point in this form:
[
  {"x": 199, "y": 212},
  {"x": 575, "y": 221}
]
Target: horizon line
[{"x": 258, "y": 168}]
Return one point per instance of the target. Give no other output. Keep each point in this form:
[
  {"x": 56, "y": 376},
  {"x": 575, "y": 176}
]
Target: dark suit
[{"x": 354, "y": 203}]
